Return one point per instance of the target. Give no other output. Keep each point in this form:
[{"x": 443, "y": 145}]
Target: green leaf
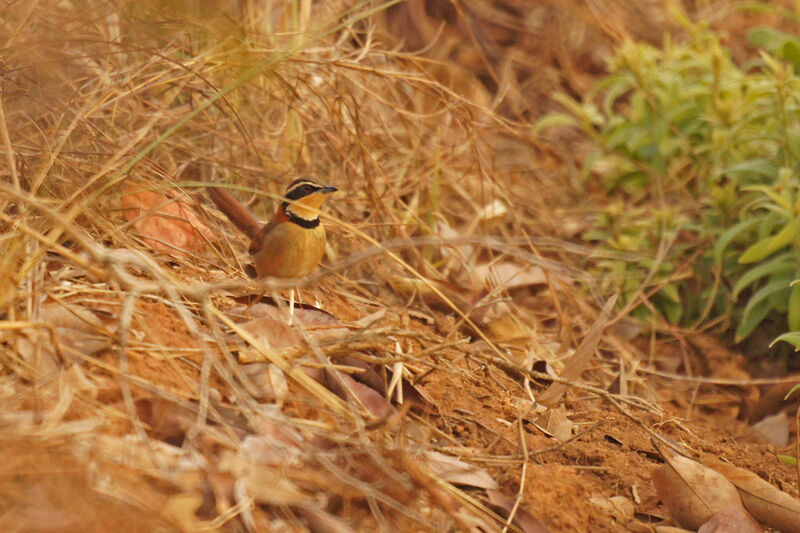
[
  {"x": 765, "y": 247},
  {"x": 790, "y": 51},
  {"x": 792, "y": 338},
  {"x": 791, "y": 391},
  {"x": 670, "y": 290},
  {"x": 767, "y": 37},
  {"x": 576, "y": 108},
  {"x": 673, "y": 312},
  {"x": 555, "y": 119},
  {"x": 780, "y": 265},
  {"x": 758, "y": 307},
  {"x": 615, "y": 91},
  {"x": 783, "y": 200},
  {"x": 769, "y": 222},
  {"x": 730, "y": 234},
  {"x": 794, "y": 308},
  {"x": 751, "y": 166},
  {"x": 752, "y": 319},
  {"x": 793, "y": 140},
  {"x": 788, "y": 459}
]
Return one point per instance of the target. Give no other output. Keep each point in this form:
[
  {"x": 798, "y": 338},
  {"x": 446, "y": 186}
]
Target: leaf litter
[{"x": 136, "y": 390}]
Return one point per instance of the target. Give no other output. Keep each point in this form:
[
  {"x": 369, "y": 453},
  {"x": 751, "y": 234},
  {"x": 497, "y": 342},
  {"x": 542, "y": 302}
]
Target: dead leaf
[
  {"x": 767, "y": 504},
  {"x": 371, "y": 399},
  {"x": 558, "y": 424},
  {"x": 774, "y": 429},
  {"x": 496, "y": 209},
  {"x": 731, "y": 519},
  {"x": 321, "y": 522},
  {"x": 458, "y": 472},
  {"x": 272, "y": 327},
  {"x": 269, "y": 485},
  {"x": 78, "y": 329},
  {"x": 423, "y": 289},
  {"x": 692, "y": 492},
  {"x": 508, "y": 275},
  {"x": 523, "y": 518},
  {"x": 150, "y": 457},
  {"x": 281, "y": 447},
  {"x": 578, "y": 361},
  {"x": 275, "y": 334},
  {"x": 166, "y": 420},
  {"x": 261, "y": 482},
  {"x": 620, "y": 507},
  {"x": 503, "y": 325},
  {"x": 133, "y": 259},
  {"x": 270, "y": 380},
  {"x": 181, "y": 509},
  {"x": 371, "y": 376},
  {"x": 166, "y": 224},
  {"x": 75, "y": 331},
  {"x": 309, "y": 319}
]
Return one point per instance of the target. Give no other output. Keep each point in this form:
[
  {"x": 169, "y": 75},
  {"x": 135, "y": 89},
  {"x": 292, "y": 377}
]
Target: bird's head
[{"x": 304, "y": 197}]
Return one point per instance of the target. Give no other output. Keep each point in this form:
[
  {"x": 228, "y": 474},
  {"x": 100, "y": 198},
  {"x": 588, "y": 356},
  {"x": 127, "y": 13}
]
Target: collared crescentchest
[{"x": 293, "y": 242}]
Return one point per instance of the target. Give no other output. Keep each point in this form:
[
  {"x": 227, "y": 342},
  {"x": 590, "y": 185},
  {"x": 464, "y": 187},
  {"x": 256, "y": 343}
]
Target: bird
[{"x": 292, "y": 243}]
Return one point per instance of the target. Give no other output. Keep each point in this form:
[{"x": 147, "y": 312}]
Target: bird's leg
[{"x": 291, "y": 305}]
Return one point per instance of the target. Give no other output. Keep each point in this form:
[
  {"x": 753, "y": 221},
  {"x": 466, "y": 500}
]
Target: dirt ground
[{"x": 443, "y": 369}]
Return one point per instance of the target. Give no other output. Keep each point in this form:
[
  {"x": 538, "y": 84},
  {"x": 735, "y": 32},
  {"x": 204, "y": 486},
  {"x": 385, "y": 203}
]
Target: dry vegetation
[{"x": 141, "y": 389}]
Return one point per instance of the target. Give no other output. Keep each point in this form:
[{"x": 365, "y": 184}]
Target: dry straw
[{"x": 99, "y": 99}]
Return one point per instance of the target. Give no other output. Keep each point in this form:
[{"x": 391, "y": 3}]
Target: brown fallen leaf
[
  {"x": 166, "y": 224},
  {"x": 733, "y": 519},
  {"x": 558, "y": 424},
  {"x": 371, "y": 376},
  {"x": 275, "y": 334},
  {"x": 165, "y": 420},
  {"x": 270, "y": 381},
  {"x": 375, "y": 403},
  {"x": 619, "y": 507},
  {"x": 508, "y": 275},
  {"x": 523, "y": 518},
  {"x": 770, "y": 506},
  {"x": 309, "y": 319},
  {"x": 371, "y": 399},
  {"x": 774, "y": 429},
  {"x": 458, "y": 472},
  {"x": 580, "y": 359},
  {"x": 692, "y": 492},
  {"x": 261, "y": 482},
  {"x": 445, "y": 292},
  {"x": 321, "y": 522},
  {"x": 282, "y": 447},
  {"x": 78, "y": 329},
  {"x": 501, "y": 323},
  {"x": 270, "y": 485},
  {"x": 72, "y": 331},
  {"x": 273, "y": 328}
]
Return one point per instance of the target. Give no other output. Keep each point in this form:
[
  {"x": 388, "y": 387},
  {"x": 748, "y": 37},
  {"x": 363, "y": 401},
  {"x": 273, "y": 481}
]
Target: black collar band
[{"x": 302, "y": 222}]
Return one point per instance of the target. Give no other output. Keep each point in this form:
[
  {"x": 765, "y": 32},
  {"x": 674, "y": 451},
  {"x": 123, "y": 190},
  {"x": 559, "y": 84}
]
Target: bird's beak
[{"x": 328, "y": 189}]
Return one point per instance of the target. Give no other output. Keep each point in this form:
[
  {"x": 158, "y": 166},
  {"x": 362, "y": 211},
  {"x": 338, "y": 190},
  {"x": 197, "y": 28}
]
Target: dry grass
[{"x": 125, "y": 363}]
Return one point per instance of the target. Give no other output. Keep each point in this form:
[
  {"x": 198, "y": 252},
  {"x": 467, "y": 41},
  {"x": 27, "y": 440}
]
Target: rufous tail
[{"x": 235, "y": 211}]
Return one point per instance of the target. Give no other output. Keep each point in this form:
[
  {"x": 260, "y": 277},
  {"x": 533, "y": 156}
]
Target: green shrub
[{"x": 705, "y": 158}]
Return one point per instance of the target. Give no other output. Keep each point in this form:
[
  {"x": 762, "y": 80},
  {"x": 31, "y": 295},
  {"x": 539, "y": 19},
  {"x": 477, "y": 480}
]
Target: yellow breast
[{"x": 290, "y": 251}]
